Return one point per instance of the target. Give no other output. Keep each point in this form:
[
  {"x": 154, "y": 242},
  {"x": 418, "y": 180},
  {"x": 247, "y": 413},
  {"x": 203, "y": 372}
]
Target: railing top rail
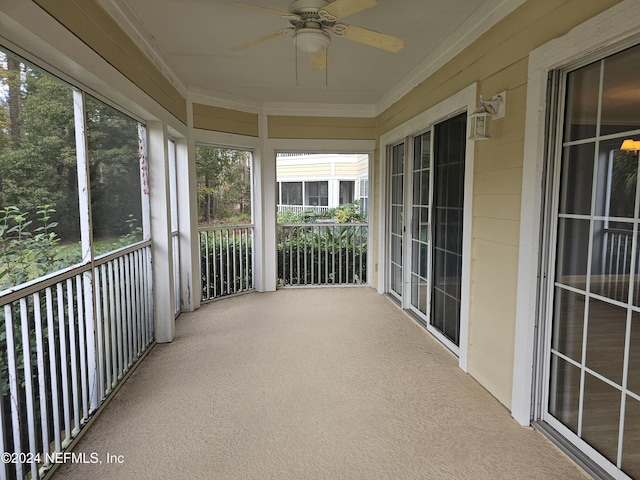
[
  {"x": 324, "y": 224},
  {"x": 225, "y": 227},
  {"x": 622, "y": 231},
  {"x": 12, "y": 294}
]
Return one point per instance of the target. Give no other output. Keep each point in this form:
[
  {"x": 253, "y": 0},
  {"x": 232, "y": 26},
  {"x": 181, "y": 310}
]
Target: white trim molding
[{"x": 613, "y": 26}]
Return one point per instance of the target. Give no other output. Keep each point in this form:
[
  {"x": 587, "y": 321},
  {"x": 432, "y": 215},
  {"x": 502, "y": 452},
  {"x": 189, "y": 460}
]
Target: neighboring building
[{"x": 321, "y": 181}]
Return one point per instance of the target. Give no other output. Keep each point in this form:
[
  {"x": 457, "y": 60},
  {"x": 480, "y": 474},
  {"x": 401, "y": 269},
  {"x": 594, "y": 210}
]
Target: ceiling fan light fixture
[{"x": 312, "y": 40}]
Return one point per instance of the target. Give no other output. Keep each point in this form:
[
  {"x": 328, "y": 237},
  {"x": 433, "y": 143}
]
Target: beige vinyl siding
[
  {"x": 322, "y": 128},
  {"x": 218, "y": 119},
  {"x": 87, "y": 20},
  {"x": 497, "y": 61},
  {"x": 306, "y": 171},
  {"x": 346, "y": 170}
]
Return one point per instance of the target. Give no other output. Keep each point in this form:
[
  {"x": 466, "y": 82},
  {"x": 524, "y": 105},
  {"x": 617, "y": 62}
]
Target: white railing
[
  {"x": 302, "y": 208},
  {"x": 612, "y": 277},
  {"x": 322, "y": 254},
  {"x": 68, "y": 340},
  {"x": 226, "y": 260}
]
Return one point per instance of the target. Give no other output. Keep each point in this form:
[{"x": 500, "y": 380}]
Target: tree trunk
[{"x": 13, "y": 71}]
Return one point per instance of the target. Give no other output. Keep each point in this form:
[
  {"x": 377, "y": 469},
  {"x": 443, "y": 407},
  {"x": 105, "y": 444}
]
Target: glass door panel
[
  {"x": 397, "y": 220},
  {"x": 448, "y": 205},
  {"x": 420, "y": 225},
  {"x": 593, "y": 355}
]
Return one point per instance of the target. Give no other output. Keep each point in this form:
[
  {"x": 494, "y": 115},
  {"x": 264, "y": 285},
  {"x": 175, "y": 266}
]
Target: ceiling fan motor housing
[{"x": 307, "y": 8}]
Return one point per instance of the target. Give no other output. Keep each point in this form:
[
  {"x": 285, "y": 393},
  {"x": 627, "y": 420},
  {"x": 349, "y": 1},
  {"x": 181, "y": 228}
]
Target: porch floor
[{"x": 309, "y": 384}]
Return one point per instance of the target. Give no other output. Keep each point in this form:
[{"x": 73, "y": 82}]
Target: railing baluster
[
  {"x": 227, "y": 260},
  {"x": 64, "y": 369},
  {"x": 113, "y": 325},
  {"x": 206, "y": 256},
  {"x": 74, "y": 357},
  {"x": 28, "y": 381},
  {"x": 106, "y": 328},
  {"x": 42, "y": 378},
  {"x": 99, "y": 331},
  {"x": 82, "y": 347},
  {"x": 3, "y": 420},
  {"x": 53, "y": 372},
  {"x": 220, "y": 266},
  {"x": 233, "y": 248},
  {"x": 322, "y": 254},
  {"x": 12, "y": 371},
  {"x": 117, "y": 290},
  {"x": 63, "y": 381},
  {"x": 127, "y": 294}
]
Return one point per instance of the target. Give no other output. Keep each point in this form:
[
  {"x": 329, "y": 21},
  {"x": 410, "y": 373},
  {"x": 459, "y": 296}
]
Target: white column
[
  {"x": 161, "y": 231},
  {"x": 265, "y": 213},
  {"x": 188, "y": 224},
  {"x": 84, "y": 197},
  {"x": 334, "y": 193}
]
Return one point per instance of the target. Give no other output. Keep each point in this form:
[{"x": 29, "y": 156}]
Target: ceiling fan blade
[
  {"x": 343, "y": 8},
  {"x": 272, "y": 11},
  {"x": 319, "y": 59},
  {"x": 373, "y": 38},
  {"x": 261, "y": 9},
  {"x": 260, "y": 39}
]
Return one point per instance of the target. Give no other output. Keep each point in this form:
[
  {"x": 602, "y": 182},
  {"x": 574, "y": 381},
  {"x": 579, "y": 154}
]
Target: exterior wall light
[{"x": 481, "y": 116}]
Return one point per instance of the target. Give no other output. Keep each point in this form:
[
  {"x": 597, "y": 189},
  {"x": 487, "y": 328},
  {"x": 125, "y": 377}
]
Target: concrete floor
[{"x": 308, "y": 384}]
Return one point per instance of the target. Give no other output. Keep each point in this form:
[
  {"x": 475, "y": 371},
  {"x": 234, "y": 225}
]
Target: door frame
[{"x": 464, "y": 100}]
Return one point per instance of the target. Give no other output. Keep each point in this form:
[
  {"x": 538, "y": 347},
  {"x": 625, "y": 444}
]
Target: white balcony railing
[
  {"x": 68, "y": 339},
  {"x": 226, "y": 260},
  {"x": 302, "y": 208},
  {"x": 322, "y": 254}
]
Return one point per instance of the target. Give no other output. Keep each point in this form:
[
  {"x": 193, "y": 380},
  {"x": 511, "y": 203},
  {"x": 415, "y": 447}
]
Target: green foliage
[
  {"x": 224, "y": 186},
  {"x": 38, "y": 154},
  {"x": 28, "y": 250},
  {"x": 346, "y": 213},
  {"x": 228, "y": 262},
  {"x": 313, "y": 255}
]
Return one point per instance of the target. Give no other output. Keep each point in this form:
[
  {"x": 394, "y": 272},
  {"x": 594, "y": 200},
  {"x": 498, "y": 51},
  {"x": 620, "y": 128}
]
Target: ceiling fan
[{"x": 312, "y": 22}]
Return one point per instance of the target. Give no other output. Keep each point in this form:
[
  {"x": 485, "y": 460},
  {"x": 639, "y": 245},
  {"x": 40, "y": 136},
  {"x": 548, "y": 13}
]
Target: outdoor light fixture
[
  {"x": 630, "y": 145},
  {"x": 481, "y": 116}
]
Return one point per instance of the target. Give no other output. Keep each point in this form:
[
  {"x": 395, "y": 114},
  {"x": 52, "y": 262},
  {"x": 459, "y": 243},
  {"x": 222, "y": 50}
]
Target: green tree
[
  {"x": 224, "y": 187},
  {"x": 38, "y": 163}
]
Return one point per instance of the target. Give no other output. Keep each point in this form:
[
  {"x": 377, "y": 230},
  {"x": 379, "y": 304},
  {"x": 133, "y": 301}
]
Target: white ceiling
[{"x": 190, "y": 39}]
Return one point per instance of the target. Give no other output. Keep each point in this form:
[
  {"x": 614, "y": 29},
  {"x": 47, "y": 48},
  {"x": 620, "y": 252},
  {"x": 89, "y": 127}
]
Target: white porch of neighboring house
[{"x": 319, "y": 182}]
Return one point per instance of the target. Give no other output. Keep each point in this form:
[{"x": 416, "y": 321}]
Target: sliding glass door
[
  {"x": 429, "y": 187},
  {"x": 448, "y": 200},
  {"x": 592, "y": 351}
]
